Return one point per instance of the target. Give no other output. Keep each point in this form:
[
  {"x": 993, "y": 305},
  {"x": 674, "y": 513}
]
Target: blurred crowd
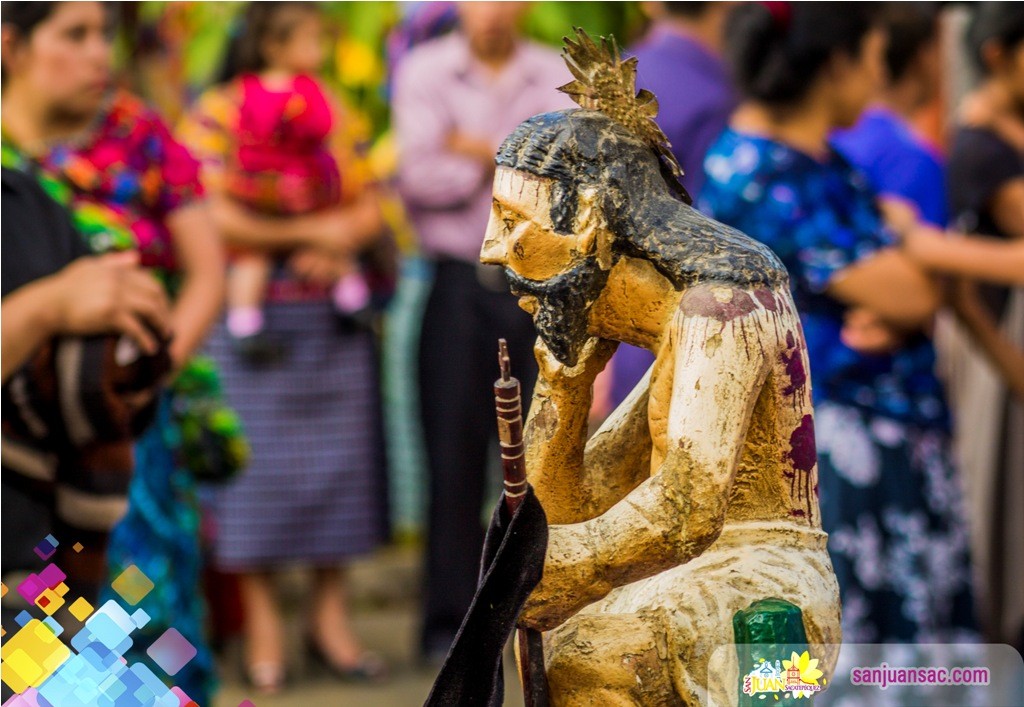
[{"x": 223, "y": 324}]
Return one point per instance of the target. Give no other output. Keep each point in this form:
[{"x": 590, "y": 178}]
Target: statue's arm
[
  {"x": 555, "y": 434},
  {"x": 618, "y": 456},
  {"x": 577, "y": 480},
  {"x": 720, "y": 368}
]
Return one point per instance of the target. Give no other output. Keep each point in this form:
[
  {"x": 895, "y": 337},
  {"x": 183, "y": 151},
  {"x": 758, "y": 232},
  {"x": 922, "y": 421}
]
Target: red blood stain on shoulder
[
  {"x": 803, "y": 452},
  {"x": 721, "y": 303},
  {"x": 794, "y": 364},
  {"x": 767, "y": 299}
]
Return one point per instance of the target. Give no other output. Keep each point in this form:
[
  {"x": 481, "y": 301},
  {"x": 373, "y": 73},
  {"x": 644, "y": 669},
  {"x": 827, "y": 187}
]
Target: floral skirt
[{"x": 892, "y": 503}]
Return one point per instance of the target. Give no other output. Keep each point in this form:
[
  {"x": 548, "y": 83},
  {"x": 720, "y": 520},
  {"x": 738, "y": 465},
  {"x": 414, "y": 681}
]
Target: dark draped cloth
[{"x": 511, "y": 566}]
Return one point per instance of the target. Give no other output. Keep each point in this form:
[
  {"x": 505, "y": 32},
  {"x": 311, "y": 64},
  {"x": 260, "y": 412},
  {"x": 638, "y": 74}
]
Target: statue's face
[
  {"x": 520, "y": 235},
  {"x": 556, "y": 275}
]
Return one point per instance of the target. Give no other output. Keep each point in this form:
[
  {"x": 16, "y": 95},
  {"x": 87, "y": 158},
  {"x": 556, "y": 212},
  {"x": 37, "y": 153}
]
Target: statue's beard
[{"x": 563, "y": 306}]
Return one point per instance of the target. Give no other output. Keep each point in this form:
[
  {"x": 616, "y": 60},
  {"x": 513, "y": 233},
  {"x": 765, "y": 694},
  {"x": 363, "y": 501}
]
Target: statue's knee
[
  {"x": 565, "y": 662},
  {"x": 568, "y": 679},
  {"x": 608, "y": 656}
]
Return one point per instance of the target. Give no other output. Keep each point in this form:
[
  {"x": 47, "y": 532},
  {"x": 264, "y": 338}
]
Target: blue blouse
[{"x": 819, "y": 218}]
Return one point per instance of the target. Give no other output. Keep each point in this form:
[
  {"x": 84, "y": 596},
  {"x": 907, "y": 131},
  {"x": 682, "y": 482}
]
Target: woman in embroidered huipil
[{"x": 128, "y": 186}]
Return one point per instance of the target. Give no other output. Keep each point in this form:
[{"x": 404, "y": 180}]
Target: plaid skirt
[{"x": 314, "y": 492}]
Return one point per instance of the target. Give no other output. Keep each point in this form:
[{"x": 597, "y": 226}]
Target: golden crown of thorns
[{"x": 606, "y": 83}]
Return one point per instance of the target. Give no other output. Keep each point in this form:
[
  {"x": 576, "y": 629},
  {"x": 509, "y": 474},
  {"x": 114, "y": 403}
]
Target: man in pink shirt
[{"x": 455, "y": 100}]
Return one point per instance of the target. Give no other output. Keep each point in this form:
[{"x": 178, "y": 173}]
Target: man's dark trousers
[{"x": 468, "y": 310}]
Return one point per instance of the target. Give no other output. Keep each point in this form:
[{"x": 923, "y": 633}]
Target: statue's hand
[
  {"x": 569, "y": 583},
  {"x": 593, "y": 358}
]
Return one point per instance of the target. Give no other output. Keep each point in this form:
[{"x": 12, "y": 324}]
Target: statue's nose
[{"x": 493, "y": 250}]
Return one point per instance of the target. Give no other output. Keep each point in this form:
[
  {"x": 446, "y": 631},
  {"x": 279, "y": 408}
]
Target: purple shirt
[
  {"x": 439, "y": 89},
  {"x": 897, "y": 162},
  {"x": 695, "y": 95},
  {"x": 695, "y": 98}
]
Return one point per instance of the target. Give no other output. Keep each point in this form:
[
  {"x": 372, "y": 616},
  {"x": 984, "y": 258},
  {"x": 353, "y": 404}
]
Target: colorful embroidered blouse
[
  {"x": 120, "y": 181},
  {"x": 819, "y": 218}
]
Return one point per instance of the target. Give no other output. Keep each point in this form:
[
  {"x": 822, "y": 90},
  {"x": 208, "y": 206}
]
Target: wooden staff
[{"x": 509, "y": 406}]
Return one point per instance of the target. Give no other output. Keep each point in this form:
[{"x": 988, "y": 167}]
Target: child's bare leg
[{"x": 247, "y": 286}]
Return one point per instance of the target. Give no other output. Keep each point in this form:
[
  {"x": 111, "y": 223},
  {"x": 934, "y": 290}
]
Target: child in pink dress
[{"x": 283, "y": 165}]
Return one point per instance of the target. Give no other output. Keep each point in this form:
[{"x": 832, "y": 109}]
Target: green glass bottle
[{"x": 766, "y": 633}]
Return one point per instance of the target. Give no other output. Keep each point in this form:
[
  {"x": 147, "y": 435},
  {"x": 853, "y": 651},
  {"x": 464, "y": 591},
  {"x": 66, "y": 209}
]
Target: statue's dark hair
[{"x": 584, "y": 148}]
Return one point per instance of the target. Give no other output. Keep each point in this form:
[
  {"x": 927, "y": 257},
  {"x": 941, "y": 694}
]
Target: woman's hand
[
  {"x": 865, "y": 332},
  {"x": 976, "y": 257},
  {"x": 92, "y": 295},
  {"x": 328, "y": 231},
  {"x": 890, "y": 284},
  {"x": 344, "y": 230},
  {"x": 201, "y": 263},
  {"x": 320, "y": 267},
  {"x": 899, "y": 215},
  {"x": 110, "y": 293},
  {"x": 924, "y": 244}
]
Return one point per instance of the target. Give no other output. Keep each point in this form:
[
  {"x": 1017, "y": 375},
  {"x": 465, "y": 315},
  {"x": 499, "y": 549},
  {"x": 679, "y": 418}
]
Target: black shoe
[
  {"x": 355, "y": 322},
  {"x": 369, "y": 669},
  {"x": 259, "y": 349}
]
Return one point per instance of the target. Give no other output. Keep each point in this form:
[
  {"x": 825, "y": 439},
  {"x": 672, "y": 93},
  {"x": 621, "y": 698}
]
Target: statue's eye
[{"x": 510, "y": 223}]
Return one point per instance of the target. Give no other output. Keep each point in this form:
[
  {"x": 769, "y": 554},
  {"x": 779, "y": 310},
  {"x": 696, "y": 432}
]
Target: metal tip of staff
[{"x": 503, "y": 360}]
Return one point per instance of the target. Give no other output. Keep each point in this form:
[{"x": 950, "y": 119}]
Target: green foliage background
[{"x": 192, "y": 36}]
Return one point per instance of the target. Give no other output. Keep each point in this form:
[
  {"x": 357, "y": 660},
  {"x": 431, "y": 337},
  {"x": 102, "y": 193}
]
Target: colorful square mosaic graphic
[{"x": 90, "y": 670}]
